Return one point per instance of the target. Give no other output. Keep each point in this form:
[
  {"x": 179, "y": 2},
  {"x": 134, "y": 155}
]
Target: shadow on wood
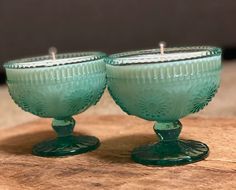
[{"x": 22, "y": 144}]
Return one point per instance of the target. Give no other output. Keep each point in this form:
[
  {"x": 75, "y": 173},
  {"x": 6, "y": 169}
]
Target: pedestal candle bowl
[
  {"x": 59, "y": 89},
  {"x": 164, "y": 88}
]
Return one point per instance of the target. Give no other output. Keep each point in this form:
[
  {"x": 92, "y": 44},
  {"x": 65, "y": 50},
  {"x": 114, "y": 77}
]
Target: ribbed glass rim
[
  {"x": 170, "y": 55},
  {"x": 61, "y": 59}
]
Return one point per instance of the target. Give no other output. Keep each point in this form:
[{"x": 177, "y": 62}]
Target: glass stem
[
  {"x": 63, "y": 127},
  {"x": 168, "y": 131}
]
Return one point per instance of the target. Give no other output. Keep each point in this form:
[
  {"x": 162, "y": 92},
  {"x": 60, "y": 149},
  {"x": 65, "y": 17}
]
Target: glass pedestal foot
[
  {"x": 63, "y": 146},
  {"x": 171, "y": 153},
  {"x": 170, "y": 150},
  {"x": 66, "y": 143}
]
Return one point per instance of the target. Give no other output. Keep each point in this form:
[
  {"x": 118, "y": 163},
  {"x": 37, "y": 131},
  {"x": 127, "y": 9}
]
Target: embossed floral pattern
[
  {"x": 153, "y": 107},
  {"x": 203, "y": 96},
  {"x": 59, "y": 100},
  {"x": 165, "y": 100}
]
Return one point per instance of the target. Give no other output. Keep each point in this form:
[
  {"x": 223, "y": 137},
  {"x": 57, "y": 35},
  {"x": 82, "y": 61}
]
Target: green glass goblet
[
  {"x": 59, "y": 88},
  {"x": 165, "y": 87}
]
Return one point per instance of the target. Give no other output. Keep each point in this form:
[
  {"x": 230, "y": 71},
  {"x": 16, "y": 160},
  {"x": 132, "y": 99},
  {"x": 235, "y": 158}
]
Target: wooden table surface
[{"x": 110, "y": 166}]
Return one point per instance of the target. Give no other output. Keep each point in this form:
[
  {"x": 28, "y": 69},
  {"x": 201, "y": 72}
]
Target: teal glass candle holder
[
  {"x": 164, "y": 87},
  {"x": 59, "y": 88}
]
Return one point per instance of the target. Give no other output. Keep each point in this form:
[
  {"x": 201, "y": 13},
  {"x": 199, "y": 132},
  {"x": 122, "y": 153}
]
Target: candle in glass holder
[
  {"x": 59, "y": 86},
  {"x": 164, "y": 85}
]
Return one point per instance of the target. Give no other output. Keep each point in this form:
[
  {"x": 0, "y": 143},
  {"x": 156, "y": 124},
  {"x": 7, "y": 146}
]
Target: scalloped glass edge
[
  {"x": 143, "y": 56},
  {"x": 62, "y": 59}
]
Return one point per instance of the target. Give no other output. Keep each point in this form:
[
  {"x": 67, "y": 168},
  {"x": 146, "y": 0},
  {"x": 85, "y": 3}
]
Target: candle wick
[
  {"x": 52, "y": 52},
  {"x": 162, "y": 46},
  {"x": 53, "y": 56}
]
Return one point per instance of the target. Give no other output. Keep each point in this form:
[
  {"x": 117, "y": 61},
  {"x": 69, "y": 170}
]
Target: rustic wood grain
[{"x": 110, "y": 166}]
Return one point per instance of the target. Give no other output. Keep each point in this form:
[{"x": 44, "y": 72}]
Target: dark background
[{"x": 30, "y": 27}]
